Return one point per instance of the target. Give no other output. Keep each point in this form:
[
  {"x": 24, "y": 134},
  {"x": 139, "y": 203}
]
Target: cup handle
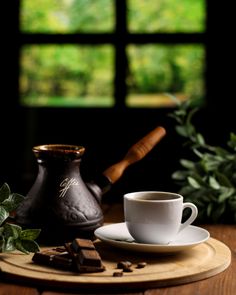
[{"x": 192, "y": 217}]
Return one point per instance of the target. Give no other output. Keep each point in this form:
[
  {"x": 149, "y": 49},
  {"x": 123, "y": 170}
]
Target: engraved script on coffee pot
[{"x": 65, "y": 185}]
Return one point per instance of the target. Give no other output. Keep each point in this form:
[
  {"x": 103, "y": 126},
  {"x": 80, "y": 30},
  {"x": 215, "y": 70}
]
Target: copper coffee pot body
[{"x": 60, "y": 202}]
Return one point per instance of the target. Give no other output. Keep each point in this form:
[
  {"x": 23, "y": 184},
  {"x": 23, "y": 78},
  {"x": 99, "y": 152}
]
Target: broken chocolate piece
[
  {"x": 89, "y": 257},
  {"x": 42, "y": 258},
  {"x": 62, "y": 261},
  {"x": 78, "y": 244},
  {"x": 80, "y": 255},
  {"x": 85, "y": 260},
  {"x": 53, "y": 257},
  {"x": 69, "y": 249}
]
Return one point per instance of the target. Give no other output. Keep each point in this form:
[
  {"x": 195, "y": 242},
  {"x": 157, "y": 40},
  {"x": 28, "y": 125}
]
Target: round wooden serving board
[{"x": 200, "y": 262}]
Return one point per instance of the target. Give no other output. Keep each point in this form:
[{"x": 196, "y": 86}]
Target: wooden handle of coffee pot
[{"x": 138, "y": 151}]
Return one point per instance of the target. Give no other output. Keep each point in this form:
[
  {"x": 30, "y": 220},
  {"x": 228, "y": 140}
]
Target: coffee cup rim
[{"x": 130, "y": 196}]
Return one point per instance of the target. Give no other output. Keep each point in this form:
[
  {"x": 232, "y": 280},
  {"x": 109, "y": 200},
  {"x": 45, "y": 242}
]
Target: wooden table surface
[{"x": 223, "y": 283}]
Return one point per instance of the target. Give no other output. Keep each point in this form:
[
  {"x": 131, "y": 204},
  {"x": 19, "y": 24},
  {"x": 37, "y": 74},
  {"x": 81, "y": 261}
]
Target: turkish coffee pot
[{"x": 60, "y": 203}]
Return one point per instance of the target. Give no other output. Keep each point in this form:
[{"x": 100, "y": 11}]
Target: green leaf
[
  {"x": 29, "y": 234},
  {"x": 190, "y": 115},
  {"x": 182, "y": 131},
  {"x": 179, "y": 175},
  {"x": 20, "y": 246},
  {"x": 187, "y": 190},
  {"x": 232, "y": 141},
  {"x": 17, "y": 199},
  {"x": 193, "y": 182},
  {"x": 3, "y": 214},
  {"x": 30, "y": 246},
  {"x": 190, "y": 130},
  {"x": 214, "y": 183},
  {"x": 1, "y": 231},
  {"x": 10, "y": 245},
  {"x": 2, "y": 245},
  {"x": 226, "y": 193},
  {"x": 4, "y": 192},
  {"x": 198, "y": 153},
  {"x": 200, "y": 139},
  {"x": 223, "y": 179},
  {"x": 174, "y": 98},
  {"x": 207, "y": 198},
  {"x": 187, "y": 164},
  {"x": 11, "y": 230},
  {"x": 221, "y": 152},
  {"x": 211, "y": 162},
  {"x": 12, "y": 202}
]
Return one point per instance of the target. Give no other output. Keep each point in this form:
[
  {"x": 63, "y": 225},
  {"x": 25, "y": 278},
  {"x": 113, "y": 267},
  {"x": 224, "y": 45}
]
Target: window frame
[{"x": 119, "y": 40}]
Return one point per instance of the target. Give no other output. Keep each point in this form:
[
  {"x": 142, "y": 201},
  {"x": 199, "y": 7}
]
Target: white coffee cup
[{"x": 154, "y": 217}]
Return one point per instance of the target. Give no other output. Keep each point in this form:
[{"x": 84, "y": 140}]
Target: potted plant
[
  {"x": 208, "y": 177},
  {"x": 12, "y": 236}
]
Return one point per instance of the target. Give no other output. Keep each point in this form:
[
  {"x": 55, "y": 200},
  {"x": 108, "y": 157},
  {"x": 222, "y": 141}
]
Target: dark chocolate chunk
[
  {"x": 89, "y": 269},
  {"x": 62, "y": 261},
  {"x": 89, "y": 257},
  {"x": 53, "y": 257},
  {"x": 42, "y": 258},
  {"x": 70, "y": 250},
  {"x": 85, "y": 260},
  {"x": 78, "y": 244},
  {"x": 79, "y": 255}
]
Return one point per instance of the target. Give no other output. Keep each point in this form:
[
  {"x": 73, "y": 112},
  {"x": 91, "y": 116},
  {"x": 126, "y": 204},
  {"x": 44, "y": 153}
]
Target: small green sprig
[
  {"x": 209, "y": 178},
  {"x": 12, "y": 236}
]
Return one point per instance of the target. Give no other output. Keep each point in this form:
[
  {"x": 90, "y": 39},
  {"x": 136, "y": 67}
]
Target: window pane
[
  {"x": 158, "y": 69},
  {"x": 166, "y": 16},
  {"x": 67, "y": 75},
  {"x": 66, "y": 16}
]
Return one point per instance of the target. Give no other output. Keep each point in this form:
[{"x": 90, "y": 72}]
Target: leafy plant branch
[
  {"x": 209, "y": 178},
  {"x": 12, "y": 236}
]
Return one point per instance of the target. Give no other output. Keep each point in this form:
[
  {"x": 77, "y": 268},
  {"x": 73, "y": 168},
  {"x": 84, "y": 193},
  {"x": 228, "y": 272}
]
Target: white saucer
[{"x": 117, "y": 235}]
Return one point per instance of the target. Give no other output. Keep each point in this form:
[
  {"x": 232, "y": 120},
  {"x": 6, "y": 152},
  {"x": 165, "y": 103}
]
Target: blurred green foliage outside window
[
  {"x": 156, "y": 69},
  {"x": 67, "y": 16},
  {"x": 67, "y": 75},
  {"x": 166, "y": 16}
]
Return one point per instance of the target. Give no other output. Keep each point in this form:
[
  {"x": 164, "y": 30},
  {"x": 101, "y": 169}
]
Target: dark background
[{"x": 108, "y": 133}]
